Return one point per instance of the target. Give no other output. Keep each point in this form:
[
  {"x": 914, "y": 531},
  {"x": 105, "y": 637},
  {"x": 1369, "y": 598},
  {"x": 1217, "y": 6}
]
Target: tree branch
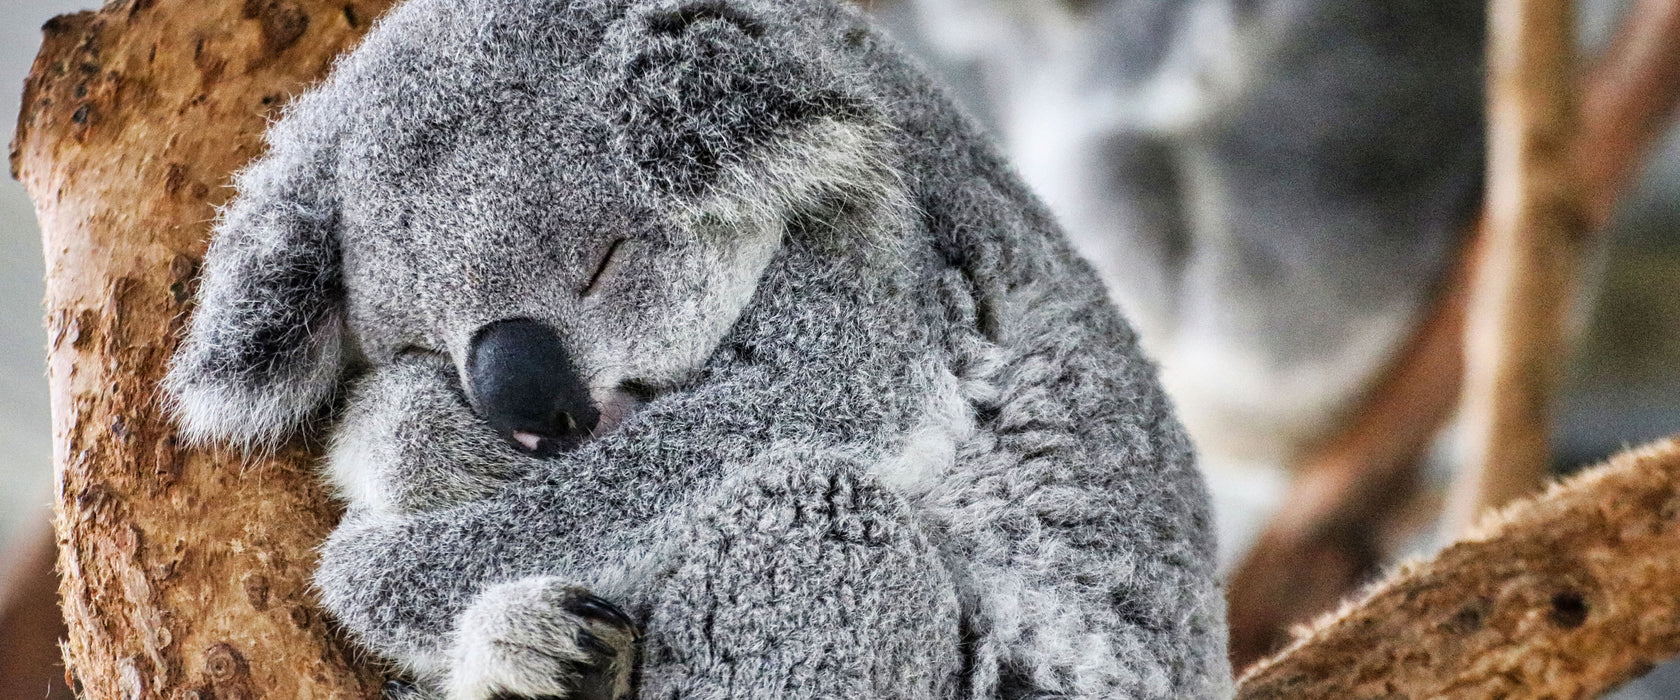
[
  {"x": 1628, "y": 103},
  {"x": 184, "y": 572},
  {"x": 1343, "y": 495},
  {"x": 1563, "y": 595},
  {"x": 1532, "y": 231}
]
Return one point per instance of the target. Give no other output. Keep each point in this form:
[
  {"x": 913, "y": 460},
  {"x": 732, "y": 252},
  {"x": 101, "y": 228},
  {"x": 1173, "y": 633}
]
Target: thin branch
[
  {"x": 1323, "y": 541},
  {"x": 1533, "y": 228},
  {"x": 1628, "y": 103}
]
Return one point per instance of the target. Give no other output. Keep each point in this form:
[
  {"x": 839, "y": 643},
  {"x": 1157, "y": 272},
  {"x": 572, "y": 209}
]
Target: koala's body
[{"x": 698, "y": 350}]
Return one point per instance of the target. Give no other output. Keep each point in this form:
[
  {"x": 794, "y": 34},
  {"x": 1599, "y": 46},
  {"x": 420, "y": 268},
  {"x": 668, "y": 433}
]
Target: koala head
[{"x": 570, "y": 202}]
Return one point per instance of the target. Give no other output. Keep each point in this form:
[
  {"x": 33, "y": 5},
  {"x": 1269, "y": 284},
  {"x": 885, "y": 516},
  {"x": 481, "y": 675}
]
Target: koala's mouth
[{"x": 613, "y": 406}]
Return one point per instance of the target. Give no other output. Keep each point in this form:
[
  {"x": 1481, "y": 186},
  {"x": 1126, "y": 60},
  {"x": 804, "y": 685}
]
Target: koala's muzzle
[{"x": 525, "y": 385}]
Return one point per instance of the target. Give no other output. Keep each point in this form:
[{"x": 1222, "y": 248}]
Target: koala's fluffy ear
[
  {"x": 264, "y": 349},
  {"x": 718, "y": 103}
]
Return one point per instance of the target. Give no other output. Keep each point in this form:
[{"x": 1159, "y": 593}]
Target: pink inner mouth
[{"x": 530, "y": 441}]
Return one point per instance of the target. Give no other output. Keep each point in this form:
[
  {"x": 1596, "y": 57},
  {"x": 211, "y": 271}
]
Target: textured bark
[
  {"x": 1565, "y": 595},
  {"x": 1534, "y": 225},
  {"x": 184, "y": 572}
]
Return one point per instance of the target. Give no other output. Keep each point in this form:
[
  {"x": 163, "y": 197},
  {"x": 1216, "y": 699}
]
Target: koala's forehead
[
  {"x": 434, "y": 68},
  {"x": 480, "y": 118}
]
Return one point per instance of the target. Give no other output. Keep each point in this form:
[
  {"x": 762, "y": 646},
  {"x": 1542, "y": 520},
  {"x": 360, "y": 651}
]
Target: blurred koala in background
[{"x": 1273, "y": 190}]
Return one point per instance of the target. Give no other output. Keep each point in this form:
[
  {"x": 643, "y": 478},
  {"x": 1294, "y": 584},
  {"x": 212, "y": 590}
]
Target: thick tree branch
[
  {"x": 184, "y": 571},
  {"x": 1564, "y": 595}
]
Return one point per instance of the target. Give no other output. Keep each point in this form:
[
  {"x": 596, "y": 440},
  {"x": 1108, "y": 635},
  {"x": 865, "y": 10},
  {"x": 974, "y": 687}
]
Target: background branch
[
  {"x": 1524, "y": 281},
  {"x": 30, "y": 624},
  {"x": 1354, "y": 486}
]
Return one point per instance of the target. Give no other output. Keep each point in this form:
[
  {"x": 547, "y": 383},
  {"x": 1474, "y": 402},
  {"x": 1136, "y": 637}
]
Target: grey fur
[{"x": 899, "y": 443}]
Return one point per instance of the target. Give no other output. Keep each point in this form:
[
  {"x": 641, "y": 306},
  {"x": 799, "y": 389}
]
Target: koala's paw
[
  {"x": 404, "y": 690},
  {"x": 540, "y": 638}
]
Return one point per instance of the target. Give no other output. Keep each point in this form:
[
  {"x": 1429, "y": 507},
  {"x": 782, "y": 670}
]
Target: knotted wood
[
  {"x": 1565, "y": 595},
  {"x": 184, "y": 572}
]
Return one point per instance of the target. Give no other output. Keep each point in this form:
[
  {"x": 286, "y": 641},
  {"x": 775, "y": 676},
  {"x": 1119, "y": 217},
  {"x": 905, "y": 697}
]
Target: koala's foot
[
  {"x": 540, "y": 638},
  {"x": 406, "y": 690},
  {"x": 807, "y": 580}
]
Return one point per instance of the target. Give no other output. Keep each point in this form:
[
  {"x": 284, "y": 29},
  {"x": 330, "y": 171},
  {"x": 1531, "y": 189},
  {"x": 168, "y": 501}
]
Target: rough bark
[
  {"x": 184, "y": 571},
  {"x": 1534, "y": 225},
  {"x": 1565, "y": 595}
]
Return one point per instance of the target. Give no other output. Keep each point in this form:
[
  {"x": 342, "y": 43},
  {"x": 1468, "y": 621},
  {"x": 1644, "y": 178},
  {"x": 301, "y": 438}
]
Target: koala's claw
[
  {"x": 587, "y": 639},
  {"x": 539, "y": 639},
  {"x": 596, "y": 608},
  {"x": 396, "y": 689}
]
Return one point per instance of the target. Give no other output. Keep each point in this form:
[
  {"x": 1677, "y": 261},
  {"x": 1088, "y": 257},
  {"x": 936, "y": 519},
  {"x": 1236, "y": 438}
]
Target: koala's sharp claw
[
  {"x": 532, "y": 638},
  {"x": 397, "y": 689},
  {"x": 597, "y": 608},
  {"x": 594, "y": 644}
]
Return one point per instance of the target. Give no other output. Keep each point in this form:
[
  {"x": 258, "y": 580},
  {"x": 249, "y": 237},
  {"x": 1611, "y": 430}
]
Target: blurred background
[
  {"x": 25, "y": 429},
  {"x": 1086, "y": 100}
]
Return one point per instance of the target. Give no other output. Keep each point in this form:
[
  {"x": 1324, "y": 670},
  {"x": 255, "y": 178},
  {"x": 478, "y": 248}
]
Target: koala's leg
[{"x": 804, "y": 579}]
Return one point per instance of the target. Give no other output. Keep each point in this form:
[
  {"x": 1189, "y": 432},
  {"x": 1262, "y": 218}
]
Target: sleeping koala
[{"x": 698, "y": 349}]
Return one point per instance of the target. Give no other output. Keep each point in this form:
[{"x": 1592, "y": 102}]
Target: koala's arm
[
  {"x": 399, "y": 576},
  {"x": 400, "y": 573}
]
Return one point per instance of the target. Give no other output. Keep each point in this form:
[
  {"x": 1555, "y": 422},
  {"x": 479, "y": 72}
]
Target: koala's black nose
[{"x": 526, "y": 386}]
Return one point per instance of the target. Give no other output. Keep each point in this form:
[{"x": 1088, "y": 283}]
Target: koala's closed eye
[
  {"x": 606, "y": 265},
  {"x": 415, "y": 351}
]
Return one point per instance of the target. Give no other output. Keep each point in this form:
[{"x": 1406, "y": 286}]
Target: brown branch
[
  {"x": 1346, "y": 490},
  {"x": 1323, "y": 541},
  {"x": 1628, "y": 102},
  {"x": 1533, "y": 227},
  {"x": 1564, "y": 595},
  {"x": 184, "y": 572}
]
